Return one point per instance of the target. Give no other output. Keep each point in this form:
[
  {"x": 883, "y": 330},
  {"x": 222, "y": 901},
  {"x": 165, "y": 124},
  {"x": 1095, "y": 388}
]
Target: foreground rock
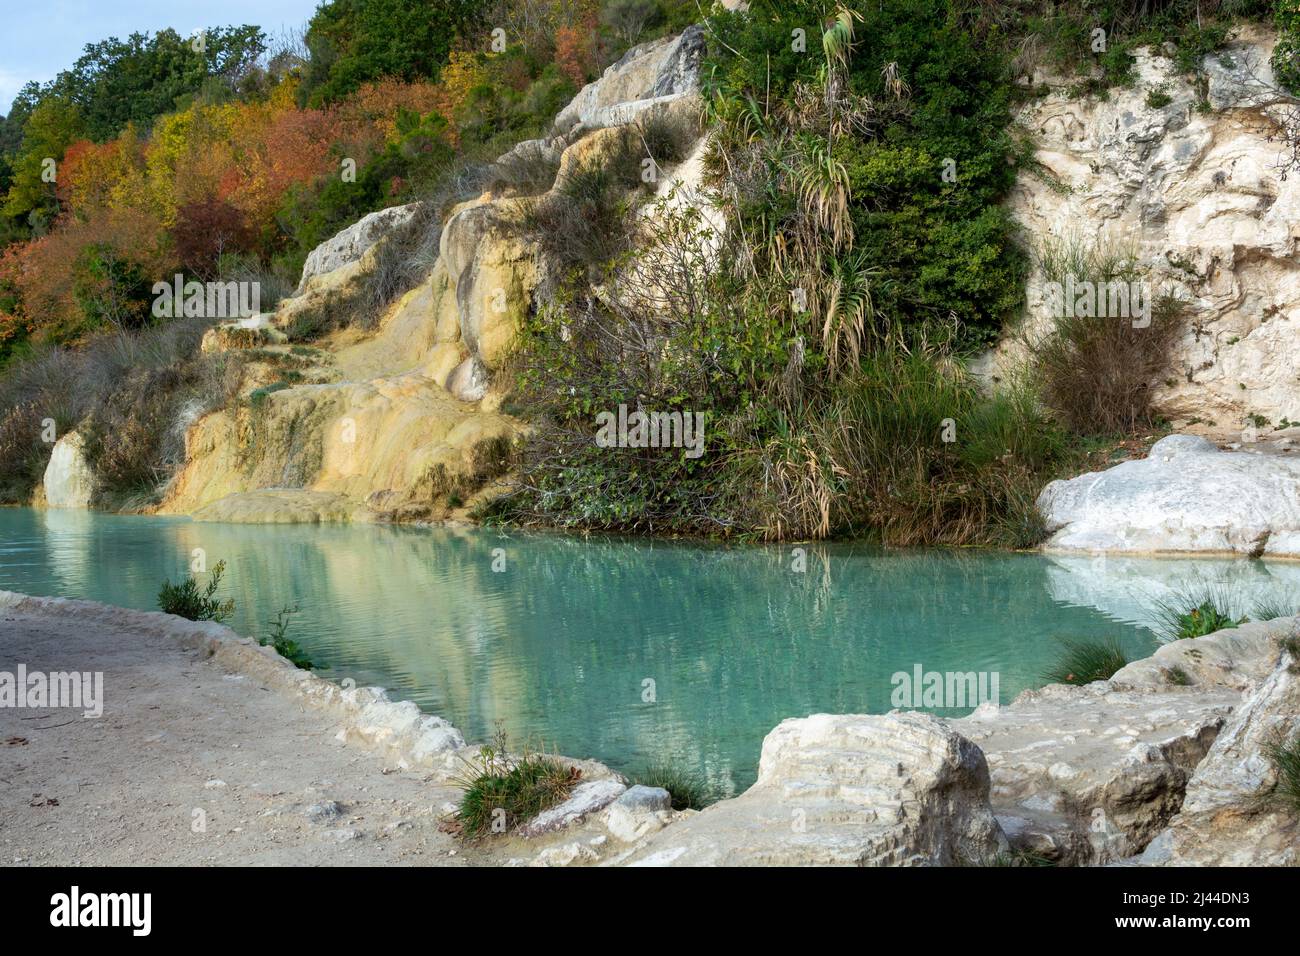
[
  {"x": 1091, "y": 775},
  {"x": 1084, "y": 775},
  {"x": 1185, "y": 496},
  {"x": 1232, "y": 814},
  {"x": 892, "y": 790}
]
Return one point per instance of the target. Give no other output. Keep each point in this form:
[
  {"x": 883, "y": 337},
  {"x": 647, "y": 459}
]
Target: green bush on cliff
[{"x": 1286, "y": 55}]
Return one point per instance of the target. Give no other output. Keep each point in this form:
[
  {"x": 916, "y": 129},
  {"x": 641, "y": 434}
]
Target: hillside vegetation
[{"x": 862, "y": 154}]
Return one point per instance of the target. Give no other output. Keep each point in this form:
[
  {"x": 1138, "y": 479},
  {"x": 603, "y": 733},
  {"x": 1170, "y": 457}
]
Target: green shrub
[
  {"x": 1286, "y": 54},
  {"x": 187, "y": 601},
  {"x": 1198, "y": 613},
  {"x": 1085, "y": 661}
]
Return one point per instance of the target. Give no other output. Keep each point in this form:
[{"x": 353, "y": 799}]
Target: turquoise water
[{"x": 559, "y": 647}]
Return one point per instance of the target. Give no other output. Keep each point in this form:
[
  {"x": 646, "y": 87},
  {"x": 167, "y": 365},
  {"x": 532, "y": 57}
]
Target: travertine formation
[
  {"x": 1185, "y": 496},
  {"x": 388, "y": 424},
  {"x": 1192, "y": 180}
]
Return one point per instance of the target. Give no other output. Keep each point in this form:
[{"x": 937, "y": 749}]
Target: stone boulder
[
  {"x": 1185, "y": 496},
  {"x": 354, "y": 241},
  {"x": 898, "y": 789},
  {"x": 69, "y": 481},
  {"x": 1086, "y": 775},
  {"x": 647, "y": 76},
  {"x": 1231, "y": 815},
  {"x": 639, "y": 811}
]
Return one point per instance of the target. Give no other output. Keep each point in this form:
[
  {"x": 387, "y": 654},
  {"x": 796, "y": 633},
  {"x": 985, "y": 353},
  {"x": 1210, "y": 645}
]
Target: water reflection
[{"x": 630, "y": 651}]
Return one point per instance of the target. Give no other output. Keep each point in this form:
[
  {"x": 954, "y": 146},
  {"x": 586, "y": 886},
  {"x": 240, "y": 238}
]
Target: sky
[{"x": 39, "y": 38}]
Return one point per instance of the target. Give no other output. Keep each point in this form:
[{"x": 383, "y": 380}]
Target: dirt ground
[{"x": 191, "y": 764}]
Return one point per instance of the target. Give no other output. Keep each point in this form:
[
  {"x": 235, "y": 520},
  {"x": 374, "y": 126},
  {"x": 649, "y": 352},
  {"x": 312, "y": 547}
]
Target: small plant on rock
[
  {"x": 187, "y": 601},
  {"x": 1086, "y": 661},
  {"x": 1284, "y": 756},
  {"x": 289, "y": 649}
]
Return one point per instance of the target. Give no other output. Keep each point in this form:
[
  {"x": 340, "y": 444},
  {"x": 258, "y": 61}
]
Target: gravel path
[{"x": 191, "y": 764}]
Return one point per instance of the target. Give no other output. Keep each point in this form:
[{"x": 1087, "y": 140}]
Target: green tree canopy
[{"x": 354, "y": 41}]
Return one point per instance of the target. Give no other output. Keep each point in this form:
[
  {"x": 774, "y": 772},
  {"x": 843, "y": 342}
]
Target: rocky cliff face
[
  {"x": 406, "y": 422},
  {"x": 1191, "y": 177}
]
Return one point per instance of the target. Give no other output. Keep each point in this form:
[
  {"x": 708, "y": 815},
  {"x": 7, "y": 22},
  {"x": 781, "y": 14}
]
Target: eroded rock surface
[
  {"x": 354, "y": 241},
  {"x": 1202, "y": 198},
  {"x": 891, "y": 790},
  {"x": 69, "y": 481},
  {"x": 1232, "y": 814}
]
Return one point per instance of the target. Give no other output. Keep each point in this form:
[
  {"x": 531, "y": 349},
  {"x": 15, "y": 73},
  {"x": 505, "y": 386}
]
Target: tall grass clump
[
  {"x": 1284, "y": 757},
  {"x": 502, "y": 791},
  {"x": 1084, "y": 661},
  {"x": 187, "y": 600},
  {"x": 1097, "y": 373},
  {"x": 1270, "y": 609},
  {"x": 688, "y": 790}
]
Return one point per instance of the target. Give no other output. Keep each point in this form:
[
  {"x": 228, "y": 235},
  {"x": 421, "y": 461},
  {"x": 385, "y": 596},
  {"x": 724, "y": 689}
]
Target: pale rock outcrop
[
  {"x": 1203, "y": 200},
  {"x": 587, "y": 798},
  {"x": 897, "y": 789},
  {"x": 650, "y": 75},
  {"x": 69, "y": 481},
  {"x": 1186, "y": 495},
  {"x": 1231, "y": 815},
  {"x": 353, "y": 242},
  {"x": 1085, "y": 775},
  {"x": 386, "y": 423}
]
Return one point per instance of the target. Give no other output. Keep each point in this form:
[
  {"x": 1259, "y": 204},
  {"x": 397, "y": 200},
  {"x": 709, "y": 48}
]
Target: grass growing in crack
[
  {"x": 187, "y": 601},
  {"x": 1270, "y": 609},
  {"x": 1085, "y": 661},
  {"x": 688, "y": 790},
  {"x": 1284, "y": 756},
  {"x": 1178, "y": 677},
  {"x": 1197, "y": 614},
  {"x": 502, "y": 792},
  {"x": 287, "y": 648}
]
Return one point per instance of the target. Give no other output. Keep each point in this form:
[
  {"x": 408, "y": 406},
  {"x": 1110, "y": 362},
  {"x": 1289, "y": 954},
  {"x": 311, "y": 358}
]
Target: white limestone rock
[
  {"x": 353, "y": 242},
  {"x": 587, "y": 798},
  {"x": 638, "y": 812},
  {"x": 69, "y": 481},
  {"x": 875, "y": 790},
  {"x": 648, "y": 75},
  {"x": 1185, "y": 496},
  {"x": 1204, "y": 201}
]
